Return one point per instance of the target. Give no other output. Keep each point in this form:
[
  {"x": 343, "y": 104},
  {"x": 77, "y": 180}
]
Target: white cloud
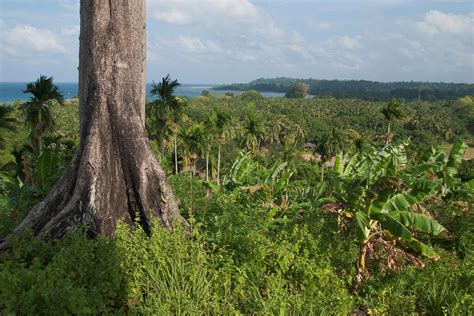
[
  {"x": 25, "y": 39},
  {"x": 183, "y": 12},
  {"x": 349, "y": 42},
  {"x": 172, "y": 17},
  {"x": 436, "y": 22},
  {"x": 229, "y": 32},
  {"x": 196, "y": 45},
  {"x": 71, "y": 31}
]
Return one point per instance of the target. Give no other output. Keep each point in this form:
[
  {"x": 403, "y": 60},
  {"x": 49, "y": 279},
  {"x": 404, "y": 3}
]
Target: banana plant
[{"x": 378, "y": 193}]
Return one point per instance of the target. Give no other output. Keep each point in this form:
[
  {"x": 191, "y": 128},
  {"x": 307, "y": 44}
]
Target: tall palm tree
[
  {"x": 222, "y": 121},
  {"x": 37, "y": 110},
  {"x": 209, "y": 131},
  {"x": 164, "y": 105},
  {"x": 391, "y": 112},
  {"x": 176, "y": 118}
]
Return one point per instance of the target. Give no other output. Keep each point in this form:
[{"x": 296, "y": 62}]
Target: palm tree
[
  {"x": 277, "y": 131},
  {"x": 176, "y": 118},
  {"x": 194, "y": 141},
  {"x": 222, "y": 120},
  {"x": 253, "y": 133},
  {"x": 333, "y": 144},
  {"x": 164, "y": 105},
  {"x": 209, "y": 129},
  {"x": 299, "y": 132},
  {"x": 7, "y": 123},
  {"x": 391, "y": 113},
  {"x": 37, "y": 110}
]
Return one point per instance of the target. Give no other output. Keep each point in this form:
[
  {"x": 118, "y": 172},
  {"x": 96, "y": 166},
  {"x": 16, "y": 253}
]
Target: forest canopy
[{"x": 362, "y": 89}]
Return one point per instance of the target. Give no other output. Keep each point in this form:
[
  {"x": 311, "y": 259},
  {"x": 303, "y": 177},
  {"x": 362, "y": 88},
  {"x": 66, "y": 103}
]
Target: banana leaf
[
  {"x": 362, "y": 226},
  {"x": 274, "y": 172},
  {"x": 339, "y": 165},
  {"x": 402, "y": 201},
  {"x": 424, "y": 249},
  {"x": 455, "y": 157},
  {"x": 419, "y": 222},
  {"x": 351, "y": 165},
  {"x": 391, "y": 224}
]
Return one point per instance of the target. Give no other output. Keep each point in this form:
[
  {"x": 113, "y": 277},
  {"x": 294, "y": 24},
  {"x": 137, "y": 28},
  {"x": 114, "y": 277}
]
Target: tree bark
[{"x": 113, "y": 175}]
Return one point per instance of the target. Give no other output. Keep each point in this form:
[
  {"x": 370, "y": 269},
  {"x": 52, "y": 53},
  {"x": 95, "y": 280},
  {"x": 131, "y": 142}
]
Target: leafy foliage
[{"x": 263, "y": 238}]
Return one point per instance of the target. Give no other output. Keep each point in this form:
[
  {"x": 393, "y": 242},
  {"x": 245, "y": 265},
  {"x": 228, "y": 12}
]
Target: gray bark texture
[{"x": 114, "y": 175}]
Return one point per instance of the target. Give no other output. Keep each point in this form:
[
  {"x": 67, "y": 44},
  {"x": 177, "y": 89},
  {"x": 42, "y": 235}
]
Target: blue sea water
[{"x": 12, "y": 91}]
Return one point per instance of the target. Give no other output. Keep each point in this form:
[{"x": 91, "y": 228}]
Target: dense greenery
[
  {"x": 363, "y": 89},
  {"x": 295, "y": 206}
]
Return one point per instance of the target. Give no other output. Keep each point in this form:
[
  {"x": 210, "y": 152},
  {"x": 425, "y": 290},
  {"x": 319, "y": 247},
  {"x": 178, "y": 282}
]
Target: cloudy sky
[{"x": 223, "y": 41}]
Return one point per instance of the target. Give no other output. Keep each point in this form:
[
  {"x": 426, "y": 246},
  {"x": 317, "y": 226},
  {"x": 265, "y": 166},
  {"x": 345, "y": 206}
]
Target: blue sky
[{"x": 223, "y": 41}]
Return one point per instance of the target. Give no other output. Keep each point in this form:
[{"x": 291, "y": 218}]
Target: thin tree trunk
[
  {"x": 175, "y": 155},
  {"x": 207, "y": 166},
  {"x": 387, "y": 138},
  {"x": 113, "y": 175},
  {"x": 219, "y": 164},
  {"x": 162, "y": 139}
]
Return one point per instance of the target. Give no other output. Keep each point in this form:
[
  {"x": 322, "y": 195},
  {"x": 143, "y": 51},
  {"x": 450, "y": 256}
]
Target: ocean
[{"x": 12, "y": 91}]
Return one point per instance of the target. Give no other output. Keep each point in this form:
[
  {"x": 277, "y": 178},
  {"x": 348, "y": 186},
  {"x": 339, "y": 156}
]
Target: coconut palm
[
  {"x": 276, "y": 131},
  {"x": 193, "y": 139},
  {"x": 165, "y": 105},
  {"x": 222, "y": 120},
  {"x": 37, "y": 110},
  {"x": 253, "y": 132},
  {"x": 209, "y": 131},
  {"x": 333, "y": 144},
  {"x": 391, "y": 113},
  {"x": 176, "y": 118}
]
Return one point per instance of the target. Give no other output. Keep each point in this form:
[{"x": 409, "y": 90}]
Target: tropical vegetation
[{"x": 294, "y": 205}]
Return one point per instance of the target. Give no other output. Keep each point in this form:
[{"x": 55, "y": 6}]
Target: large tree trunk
[{"x": 113, "y": 175}]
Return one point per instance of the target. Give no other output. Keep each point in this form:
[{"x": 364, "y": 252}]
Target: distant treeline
[{"x": 362, "y": 89}]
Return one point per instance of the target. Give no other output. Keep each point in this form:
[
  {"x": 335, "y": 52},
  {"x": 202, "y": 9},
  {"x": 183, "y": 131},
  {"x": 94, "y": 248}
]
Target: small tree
[
  {"x": 37, "y": 110},
  {"x": 298, "y": 91},
  {"x": 253, "y": 132},
  {"x": 222, "y": 120},
  {"x": 391, "y": 112},
  {"x": 165, "y": 105}
]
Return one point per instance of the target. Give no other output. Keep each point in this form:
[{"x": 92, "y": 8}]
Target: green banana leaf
[
  {"x": 46, "y": 168},
  {"x": 424, "y": 249},
  {"x": 391, "y": 224},
  {"x": 455, "y": 157},
  {"x": 351, "y": 165},
  {"x": 362, "y": 226},
  {"x": 339, "y": 165},
  {"x": 274, "y": 172},
  {"x": 402, "y": 201},
  {"x": 419, "y": 222}
]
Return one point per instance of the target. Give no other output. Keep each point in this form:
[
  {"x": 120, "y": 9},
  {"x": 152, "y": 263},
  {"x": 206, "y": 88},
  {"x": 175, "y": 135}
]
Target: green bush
[{"x": 441, "y": 288}]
